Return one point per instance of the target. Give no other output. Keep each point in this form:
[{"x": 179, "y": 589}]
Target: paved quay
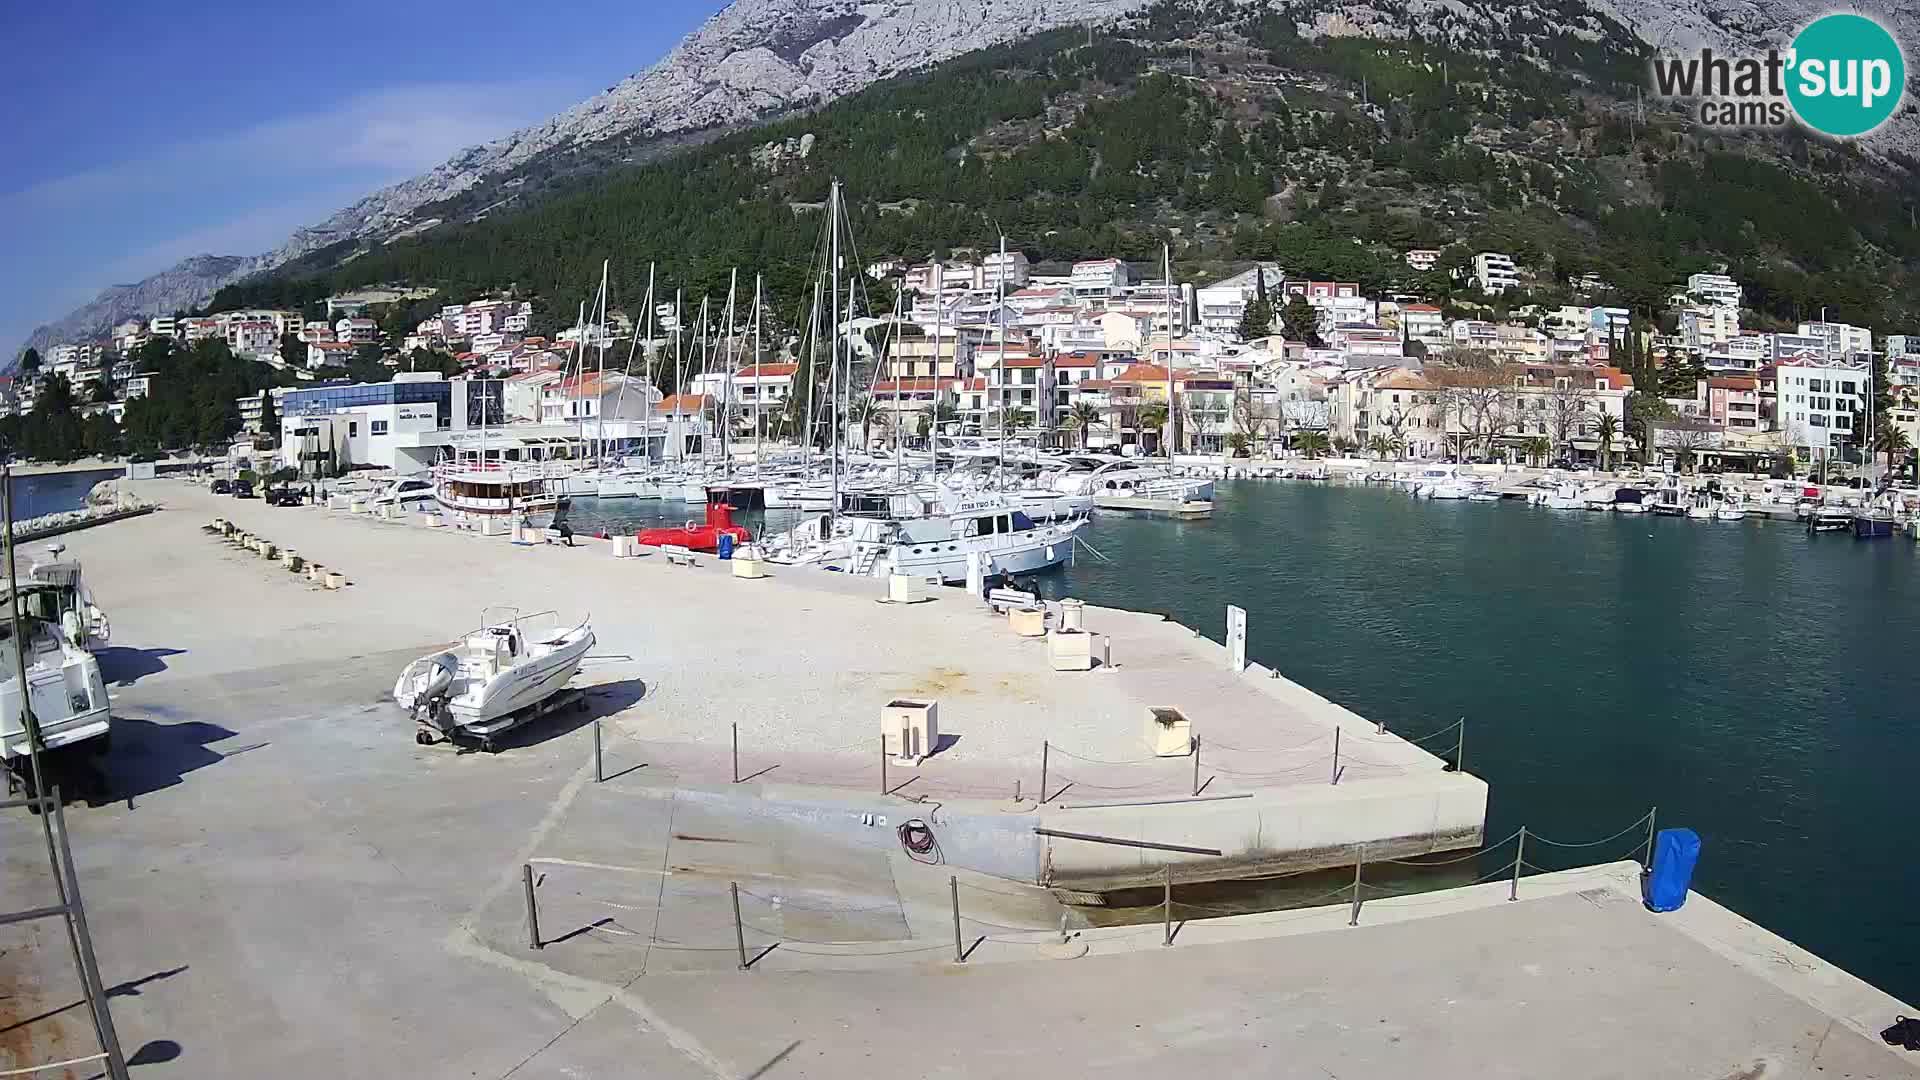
[{"x": 283, "y": 883}]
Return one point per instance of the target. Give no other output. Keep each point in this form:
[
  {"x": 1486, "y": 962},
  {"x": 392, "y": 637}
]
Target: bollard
[
  {"x": 533, "y": 910},
  {"x": 1359, "y": 861},
  {"x": 739, "y": 928},
  {"x": 1336, "y": 756},
  {"x": 599, "y": 774},
  {"x": 1166, "y": 905},
  {"x": 959, "y": 955},
  {"x": 1519, "y": 857},
  {"x": 1380, "y": 727},
  {"x": 1196, "y": 766}
]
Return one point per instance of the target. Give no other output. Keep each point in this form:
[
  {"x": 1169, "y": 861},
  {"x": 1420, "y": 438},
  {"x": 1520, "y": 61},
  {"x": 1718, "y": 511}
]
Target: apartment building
[
  {"x": 1816, "y": 401},
  {"x": 1494, "y": 272},
  {"x": 1718, "y": 289},
  {"x": 1100, "y": 277}
]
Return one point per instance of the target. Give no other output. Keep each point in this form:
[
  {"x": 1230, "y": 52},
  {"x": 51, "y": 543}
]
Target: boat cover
[{"x": 1674, "y": 853}]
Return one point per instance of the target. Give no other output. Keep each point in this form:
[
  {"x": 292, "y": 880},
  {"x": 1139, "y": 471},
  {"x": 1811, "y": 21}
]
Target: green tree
[
  {"x": 1257, "y": 320},
  {"x": 1153, "y": 420},
  {"x": 269, "y": 416},
  {"x": 1082, "y": 417},
  {"x": 1645, "y": 411},
  {"x": 1311, "y": 443},
  {"x": 293, "y": 351},
  {"x": 30, "y": 361},
  {"x": 1609, "y": 430},
  {"x": 1302, "y": 321},
  {"x": 1537, "y": 449}
]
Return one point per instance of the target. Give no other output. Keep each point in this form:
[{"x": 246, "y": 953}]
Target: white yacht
[
  {"x": 493, "y": 489},
  {"x": 1088, "y": 474},
  {"x": 493, "y": 680},
  {"x": 408, "y": 493},
  {"x": 63, "y": 684},
  {"x": 904, "y": 532},
  {"x": 1560, "y": 497},
  {"x": 628, "y": 484}
]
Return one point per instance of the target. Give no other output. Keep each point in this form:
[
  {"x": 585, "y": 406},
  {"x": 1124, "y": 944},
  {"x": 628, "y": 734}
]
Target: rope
[
  {"x": 917, "y": 840},
  {"x": 1481, "y": 880},
  {"x": 1124, "y": 788},
  {"x": 814, "y": 907},
  {"x": 1642, "y": 820},
  {"x": 1096, "y": 761},
  {"x": 53, "y": 1065},
  {"x": 1484, "y": 849},
  {"x": 1214, "y": 744},
  {"x": 1435, "y": 734}
]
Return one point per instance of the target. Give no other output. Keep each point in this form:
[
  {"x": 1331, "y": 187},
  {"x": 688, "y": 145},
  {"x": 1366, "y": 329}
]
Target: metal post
[
  {"x": 736, "y": 753},
  {"x": 1043, "y": 772},
  {"x": 1196, "y": 764},
  {"x": 1166, "y": 904},
  {"x": 883, "y": 764},
  {"x": 1336, "y": 757},
  {"x": 533, "y": 910},
  {"x": 1379, "y": 727},
  {"x": 1650, "y": 834},
  {"x": 1519, "y": 857},
  {"x": 959, "y": 955},
  {"x": 1359, "y": 861},
  {"x": 599, "y": 773},
  {"x": 1460, "y": 748},
  {"x": 89, "y": 966},
  {"x": 739, "y": 927}
]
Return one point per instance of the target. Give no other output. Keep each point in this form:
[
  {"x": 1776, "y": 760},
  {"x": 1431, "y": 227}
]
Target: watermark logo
[{"x": 1844, "y": 76}]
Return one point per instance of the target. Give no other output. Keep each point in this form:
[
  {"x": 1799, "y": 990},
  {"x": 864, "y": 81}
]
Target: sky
[{"x": 134, "y": 134}]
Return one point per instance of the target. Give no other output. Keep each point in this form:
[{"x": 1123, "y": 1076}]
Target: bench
[
  {"x": 1002, "y": 600},
  {"x": 678, "y": 553}
]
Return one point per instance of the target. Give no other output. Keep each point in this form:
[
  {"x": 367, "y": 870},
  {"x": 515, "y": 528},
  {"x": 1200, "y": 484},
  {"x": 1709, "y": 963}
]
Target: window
[
  {"x": 377, "y": 427},
  {"x": 353, "y": 428}
]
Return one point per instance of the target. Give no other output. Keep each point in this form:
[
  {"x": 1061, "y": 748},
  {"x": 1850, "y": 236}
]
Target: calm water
[
  {"x": 51, "y": 493},
  {"x": 1757, "y": 685}
]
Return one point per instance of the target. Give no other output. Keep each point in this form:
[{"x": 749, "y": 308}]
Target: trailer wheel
[{"x": 423, "y": 737}]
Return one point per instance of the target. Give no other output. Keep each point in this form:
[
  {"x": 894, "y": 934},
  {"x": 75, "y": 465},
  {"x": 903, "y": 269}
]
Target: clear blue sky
[{"x": 134, "y": 134}]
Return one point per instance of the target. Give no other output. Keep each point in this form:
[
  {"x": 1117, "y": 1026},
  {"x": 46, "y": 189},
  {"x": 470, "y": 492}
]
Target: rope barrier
[
  {"x": 1214, "y": 745},
  {"x": 1434, "y": 734},
  {"x": 1098, "y": 761},
  {"x": 54, "y": 1065},
  {"x": 782, "y": 903},
  {"x": 1484, "y": 849},
  {"x": 1594, "y": 843}
]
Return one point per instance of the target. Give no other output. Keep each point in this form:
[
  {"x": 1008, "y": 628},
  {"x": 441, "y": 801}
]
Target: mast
[
  {"x": 899, "y": 420},
  {"x": 1166, "y": 265},
  {"x": 729, "y": 370},
  {"x": 1000, "y": 318},
  {"x": 813, "y": 358},
  {"x": 939, "y": 311},
  {"x": 704, "y": 347},
  {"x": 679, "y": 370},
  {"x": 833, "y": 356},
  {"x": 626, "y": 376},
  {"x": 759, "y": 399}
]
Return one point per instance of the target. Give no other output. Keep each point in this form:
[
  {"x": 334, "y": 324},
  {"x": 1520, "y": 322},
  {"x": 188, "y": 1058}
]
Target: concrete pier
[{"x": 283, "y": 884}]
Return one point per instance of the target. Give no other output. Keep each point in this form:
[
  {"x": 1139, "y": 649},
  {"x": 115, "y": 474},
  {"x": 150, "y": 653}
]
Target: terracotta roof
[
  {"x": 1733, "y": 382},
  {"x": 1025, "y": 362},
  {"x": 1093, "y": 384},
  {"x": 1420, "y": 307},
  {"x": 1139, "y": 373},
  {"x": 684, "y": 403},
  {"x": 1075, "y": 360},
  {"x": 767, "y": 371},
  {"x": 1402, "y": 379}
]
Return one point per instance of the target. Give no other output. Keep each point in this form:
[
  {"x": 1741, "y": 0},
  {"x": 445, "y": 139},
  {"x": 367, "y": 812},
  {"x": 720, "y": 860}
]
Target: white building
[
  {"x": 522, "y": 394},
  {"x": 1423, "y": 323},
  {"x": 396, "y": 425},
  {"x": 356, "y": 331},
  {"x": 250, "y": 337},
  {"x": 1009, "y": 270},
  {"x": 1714, "y": 289},
  {"x": 1842, "y": 339},
  {"x": 1495, "y": 272},
  {"x": 163, "y": 326},
  {"x": 604, "y": 396},
  {"x": 1815, "y": 402},
  {"x": 1423, "y": 259},
  {"x": 1703, "y": 326},
  {"x": 1100, "y": 277},
  {"x": 329, "y": 354}
]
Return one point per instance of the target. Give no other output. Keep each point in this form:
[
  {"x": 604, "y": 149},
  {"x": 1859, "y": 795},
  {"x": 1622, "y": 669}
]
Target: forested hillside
[{"x": 1228, "y": 133}]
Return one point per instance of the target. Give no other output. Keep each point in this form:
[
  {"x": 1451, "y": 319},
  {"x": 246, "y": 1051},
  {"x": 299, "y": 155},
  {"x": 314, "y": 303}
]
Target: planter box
[
  {"x": 1027, "y": 623},
  {"x": 906, "y": 589},
  {"x": 336, "y": 580},
  {"x": 1169, "y": 732},
  {"x": 910, "y": 728},
  {"x": 625, "y": 547},
  {"x": 748, "y": 568},
  {"x": 1070, "y": 650}
]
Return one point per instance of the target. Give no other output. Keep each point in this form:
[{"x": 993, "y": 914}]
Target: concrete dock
[{"x": 283, "y": 883}]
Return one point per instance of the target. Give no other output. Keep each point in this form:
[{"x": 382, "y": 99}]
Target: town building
[
  {"x": 1816, "y": 402},
  {"x": 1494, "y": 272},
  {"x": 1716, "y": 289},
  {"x": 1007, "y": 271},
  {"x": 1703, "y": 326},
  {"x": 1843, "y": 341},
  {"x": 1422, "y": 259},
  {"x": 596, "y": 398},
  {"x": 1100, "y": 277},
  {"x": 329, "y": 354},
  {"x": 356, "y": 331},
  {"x": 163, "y": 326}
]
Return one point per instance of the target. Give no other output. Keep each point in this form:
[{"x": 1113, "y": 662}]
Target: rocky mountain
[
  {"x": 754, "y": 58},
  {"x": 758, "y": 58}
]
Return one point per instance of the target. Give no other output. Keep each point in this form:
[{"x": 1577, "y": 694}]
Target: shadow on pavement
[
  {"x": 148, "y": 756},
  {"x": 596, "y": 702},
  {"x": 121, "y": 666}
]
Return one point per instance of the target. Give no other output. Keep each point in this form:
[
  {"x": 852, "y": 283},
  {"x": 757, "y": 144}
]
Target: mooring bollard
[
  {"x": 739, "y": 927},
  {"x": 959, "y": 955},
  {"x": 599, "y": 774},
  {"x": 533, "y": 911},
  {"x": 1359, "y": 861}
]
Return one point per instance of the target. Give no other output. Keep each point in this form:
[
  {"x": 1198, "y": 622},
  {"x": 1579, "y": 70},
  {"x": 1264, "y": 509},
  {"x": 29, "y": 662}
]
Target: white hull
[
  {"x": 1014, "y": 553},
  {"x": 627, "y": 487},
  {"x": 499, "y": 671}
]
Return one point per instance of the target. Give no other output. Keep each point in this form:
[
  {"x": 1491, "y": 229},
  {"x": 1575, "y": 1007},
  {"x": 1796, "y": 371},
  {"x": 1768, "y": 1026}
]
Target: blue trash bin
[
  {"x": 726, "y": 545},
  {"x": 1675, "y": 851}
]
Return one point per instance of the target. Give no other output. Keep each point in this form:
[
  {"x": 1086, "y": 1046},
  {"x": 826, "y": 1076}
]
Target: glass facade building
[{"x": 327, "y": 399}]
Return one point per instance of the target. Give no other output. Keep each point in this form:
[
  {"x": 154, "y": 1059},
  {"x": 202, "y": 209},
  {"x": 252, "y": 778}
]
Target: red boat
[{"x": 697, "y": 537}]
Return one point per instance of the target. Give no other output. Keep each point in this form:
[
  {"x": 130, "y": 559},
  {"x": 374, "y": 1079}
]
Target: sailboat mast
[
  {"x": 899, "y": 418},
  {"x": 939, "y": 310},
  {"x": 679, "y": 369},
  {"x": 1166, "y": 267},
  {"x": 759, "y": 398},
  {"x": 600, "y": 421},
  {"x": 626, "y": 376},
  {"x": 833, "y": 357},
  {"x": 1000, "y": 318},
  {"x": 726, "y": 384},
  {"x": 813, "y": 362}
]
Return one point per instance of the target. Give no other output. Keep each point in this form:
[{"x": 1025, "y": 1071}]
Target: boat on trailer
[{"x": 496, "y": 678}]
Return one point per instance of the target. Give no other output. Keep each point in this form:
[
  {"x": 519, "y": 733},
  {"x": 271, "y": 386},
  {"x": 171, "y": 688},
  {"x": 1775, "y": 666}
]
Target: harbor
[{"x": 272, "y": 833}]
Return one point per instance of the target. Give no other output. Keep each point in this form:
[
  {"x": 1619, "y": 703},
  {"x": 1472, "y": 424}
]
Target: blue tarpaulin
[{"x": 1674, "y": 853}]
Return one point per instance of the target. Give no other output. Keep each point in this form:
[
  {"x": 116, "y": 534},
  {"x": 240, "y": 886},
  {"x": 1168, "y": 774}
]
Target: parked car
[
  {"x": 220, "y": 487},
  {"x": 242, "y": 489}
]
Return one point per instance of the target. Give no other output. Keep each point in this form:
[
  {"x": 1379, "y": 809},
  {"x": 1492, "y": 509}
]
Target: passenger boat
[
  {"x": 494, "y": 679},
  {"x": 493, "y": 489},
  {"x": 903, "y": 532}
]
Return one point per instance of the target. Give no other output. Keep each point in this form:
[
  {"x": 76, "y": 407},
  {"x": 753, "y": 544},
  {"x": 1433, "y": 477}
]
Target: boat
[
  {"x": 627, "y": 484},
  {"x": 63, "y": 682},
  {"x": 1562, "y": 497},
  {"x": 1700, "y": 507},
  {"x": 411, "y": 492},
  {"x": 1667, "y": 502},
  {"x": 1630, "y": 500},
  {"x": 1728, "y": 511},
  {"x": 701, "y": 535},
  {"x": 902, "y": 532},
  {"x": 1483, "y": 493},
  {"x": 1448, "y": 489},
  {"x": 1823, "y": 518},
  {"x": 493, "y": 490},
  {"x": 495, "y": 679}
]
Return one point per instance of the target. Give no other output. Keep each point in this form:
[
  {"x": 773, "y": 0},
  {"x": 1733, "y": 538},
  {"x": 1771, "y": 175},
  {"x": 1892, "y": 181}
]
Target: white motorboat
[
  {"x": 64, "y": 686},
  {"x": 628, "y": 484},
  {"x": 1448, "y": 489},
  {"x": 408, "y": 493},
  {"x": 1700, "y": 507},
  {"x": 1730, "y": 512},
  {"x": 883, "y": 533},
  {"x": 1561, "y": 497},
  {"x": 494, "y": 679},
  {"x": 1089, "y": 474}
]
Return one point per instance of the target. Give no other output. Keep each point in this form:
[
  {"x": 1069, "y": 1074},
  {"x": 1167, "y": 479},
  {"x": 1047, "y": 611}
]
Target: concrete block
[
  {"x": 910, "y": 728},
  {"x": 748, "y": 568},
  {"x": 492, "y": 526},
  {"x": 1070, "y": 650},
  {"x": 314, "y": 572},
  {"x": 1027, "y": 623},
  {"x": 433, "y": 521},
  {"x": 625, "y": 547},
  {"x": 906, "y": 589},
  {"x": 336, "y": 580},
  {"x": 1073, "y": 614},
  {"x": 1169, "y": 732},
  {"x": 356, "y": 506},
  {"x": 269, "y": 551},
  {"x": 292, "y": 561}
]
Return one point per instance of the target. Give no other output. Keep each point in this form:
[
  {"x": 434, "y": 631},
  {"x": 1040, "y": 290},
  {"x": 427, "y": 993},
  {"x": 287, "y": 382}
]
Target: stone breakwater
[{"x": 108, "y": 501}]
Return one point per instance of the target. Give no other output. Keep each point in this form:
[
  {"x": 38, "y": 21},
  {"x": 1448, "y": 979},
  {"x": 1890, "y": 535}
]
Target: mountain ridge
[{"x": 756, "y": 58}]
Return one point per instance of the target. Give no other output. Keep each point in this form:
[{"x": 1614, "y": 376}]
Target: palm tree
[
  {"x": 1152, "y": 418},
  {"x": 1536, "y": 449},
  {"x": 1083, "y": 416},
  {"x": 934, "y": 416},
  {"x": 1890, "y": 440},
  {"x": 1380, "y": 446},
  {"x": 1609, "y": 427},
  {"x": 1311, "y": 443}
]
